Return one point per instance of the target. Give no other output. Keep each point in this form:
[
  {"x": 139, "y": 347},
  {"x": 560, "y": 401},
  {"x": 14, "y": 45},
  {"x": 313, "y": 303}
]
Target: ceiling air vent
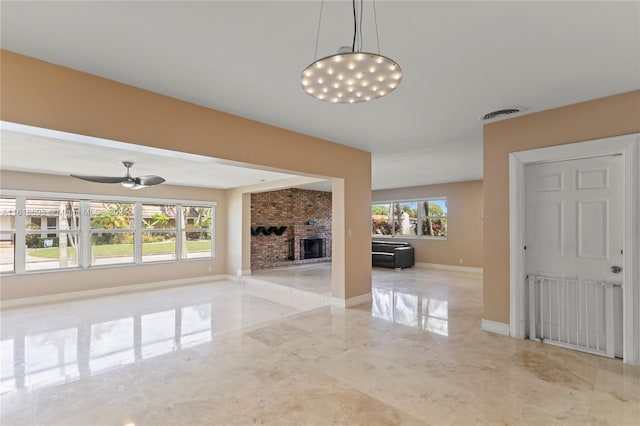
[{"x": 501, "y": 113}]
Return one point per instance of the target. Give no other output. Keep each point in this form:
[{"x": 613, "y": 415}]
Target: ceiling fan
[{"x": 127, "y": 180}]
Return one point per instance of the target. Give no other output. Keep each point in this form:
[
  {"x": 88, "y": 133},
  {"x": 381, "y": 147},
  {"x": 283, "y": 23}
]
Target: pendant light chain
[
  {"x": 355, "y": 27},
  {"x": 361, "y": 12},
  {"x": 375, "y": 20},
  {"x": 315, "y": 55}
]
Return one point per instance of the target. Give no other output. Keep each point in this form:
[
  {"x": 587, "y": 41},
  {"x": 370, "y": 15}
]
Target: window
[
  {"x": 7, "y": 234},
  {"x": 50, "y": 233},
  {"x": 36, "y": 223},
  {"x": 59, "y": 248},
  {"x": 381, "y": 222},
  {"x": 434, "y": 222},
  {"x": 196, "y": 232},
  {"x": 159, "y": 232},
  {"x": 112, "y": 233},
  {"x": 416, "y": 218},
  {"x": 406, "y": 215}
]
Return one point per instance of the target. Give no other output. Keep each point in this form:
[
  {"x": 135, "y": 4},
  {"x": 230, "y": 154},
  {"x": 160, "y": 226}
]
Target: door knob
[{"x": 616, "y": 269}]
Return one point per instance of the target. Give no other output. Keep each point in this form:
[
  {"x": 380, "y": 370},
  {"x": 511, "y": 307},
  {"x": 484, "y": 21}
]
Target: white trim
[
  {"x": 137, "y": 233},
  {"x": 516, "y": 246},
  {"x": 631, "y": 272},
  {"x": 407, "y": 200},
  {"x": 85, "y": 294},
  {"x": 629, "y": 147},
  {"x": 233, "y": 278},
  {"x": 406, "y": 237},
  {"x": 351, "y": 302},
  {"x": 20, "y": 246},
  {"x": 449, "y": 267},
  {"x": 495, "y": 327},
  {"x": 92, "y": 140},
  {"x": 180, "y": 229},
  {"x": 84, "y": 223},
  {"x": 48, "y": 195}
]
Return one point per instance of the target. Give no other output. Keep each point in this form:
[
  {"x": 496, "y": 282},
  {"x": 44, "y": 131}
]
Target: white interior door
[{"x": 574, "y": 237}]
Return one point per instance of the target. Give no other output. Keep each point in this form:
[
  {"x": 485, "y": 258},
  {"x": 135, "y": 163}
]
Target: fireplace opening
[{"x": 312, "y": 248}]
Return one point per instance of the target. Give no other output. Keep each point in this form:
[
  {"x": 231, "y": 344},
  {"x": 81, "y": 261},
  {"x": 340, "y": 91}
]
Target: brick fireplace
[
  {"x": 311, "y": 248},
  {"x": 307, "y": 216}
]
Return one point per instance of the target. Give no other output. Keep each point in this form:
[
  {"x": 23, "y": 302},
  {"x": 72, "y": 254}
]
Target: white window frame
[
  {"x": 445, "y": 217},
  {"x": 56, "y": 231},
  {"x": 175, "y": 230},
  {"x": 12, "y": 234},
  {"x": 85, "y": 231},
  {"x": 86, "y": 207},
  {"x": 181, "y": 251},
  {"x": 420, "y": 217}
]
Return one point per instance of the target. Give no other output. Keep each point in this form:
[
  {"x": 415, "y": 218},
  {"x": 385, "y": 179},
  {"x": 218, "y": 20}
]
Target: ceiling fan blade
[
  {"x": 148, "y": 180},
  {"x": 101, "y": 179}
]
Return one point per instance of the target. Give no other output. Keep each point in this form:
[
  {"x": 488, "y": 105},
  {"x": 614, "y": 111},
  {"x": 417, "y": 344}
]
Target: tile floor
[
  {"x": 314, "y": 278},
  {"x": 226, "y": 354}
]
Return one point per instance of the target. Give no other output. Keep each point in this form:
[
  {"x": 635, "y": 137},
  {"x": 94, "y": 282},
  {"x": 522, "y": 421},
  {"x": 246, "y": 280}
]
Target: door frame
[{"x": 629, "y": 147}]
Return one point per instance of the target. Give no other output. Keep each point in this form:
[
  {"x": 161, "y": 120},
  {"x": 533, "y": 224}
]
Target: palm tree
[
  {"x": 114, "y": 216},
  {"x": 160, "y": 220},
  {"x": 427, "y": 226}
]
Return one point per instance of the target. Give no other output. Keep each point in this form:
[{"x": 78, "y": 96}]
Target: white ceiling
[
  {"x": 28, "y": 149},
  {"x": 460, "y": 60}
]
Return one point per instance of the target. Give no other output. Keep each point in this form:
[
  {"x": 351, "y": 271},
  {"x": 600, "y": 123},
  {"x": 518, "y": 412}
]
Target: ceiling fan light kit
[
  {"x": 351, "y": 75},
  {"x": 127, "y": 180}
]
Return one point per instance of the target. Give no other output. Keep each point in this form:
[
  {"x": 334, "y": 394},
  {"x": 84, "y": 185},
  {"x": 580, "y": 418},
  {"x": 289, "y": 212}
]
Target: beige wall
[
  {"x": 40, "y": 284},
  {"x": 41, "y": 94},
  {"x": 596, "y": 119},
  {"x": 238, "y": 232},
  {"x": 464, "y": 223}
]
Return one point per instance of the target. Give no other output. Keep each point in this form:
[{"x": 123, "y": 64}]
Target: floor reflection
[
  {"x": 36, "y": 360},
  {"x": 408, "y": 309}
]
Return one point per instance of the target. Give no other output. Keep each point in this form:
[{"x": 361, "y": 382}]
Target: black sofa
[{"x": 392, "y": 254}]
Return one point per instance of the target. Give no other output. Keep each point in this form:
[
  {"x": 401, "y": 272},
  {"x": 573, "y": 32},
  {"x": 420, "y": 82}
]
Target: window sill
[
  {"x": 100, "y": 267},
  {"x": 393, "y": 237}
]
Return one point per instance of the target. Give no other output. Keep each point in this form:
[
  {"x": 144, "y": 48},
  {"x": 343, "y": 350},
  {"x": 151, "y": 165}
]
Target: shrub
[
  {"x": 31, "y": 240},
  {"x": 42, "y": 240},
  {"x": 382, "y": 227},
  {"x": 148, "y": 237}
]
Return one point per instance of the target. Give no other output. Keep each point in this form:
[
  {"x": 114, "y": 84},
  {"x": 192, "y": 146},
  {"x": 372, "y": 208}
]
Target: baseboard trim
[
  {"x": 351, "y": 302},
  {"x": 450, "y": 267},
  {"x": 495, "y": 327},
  {"x": 86, "y": 294},
  {"x": 285, "y": 295}
]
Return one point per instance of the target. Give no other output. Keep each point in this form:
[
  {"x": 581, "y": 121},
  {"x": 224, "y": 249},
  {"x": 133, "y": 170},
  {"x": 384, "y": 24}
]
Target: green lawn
[{"x": 114, "y": 250}]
